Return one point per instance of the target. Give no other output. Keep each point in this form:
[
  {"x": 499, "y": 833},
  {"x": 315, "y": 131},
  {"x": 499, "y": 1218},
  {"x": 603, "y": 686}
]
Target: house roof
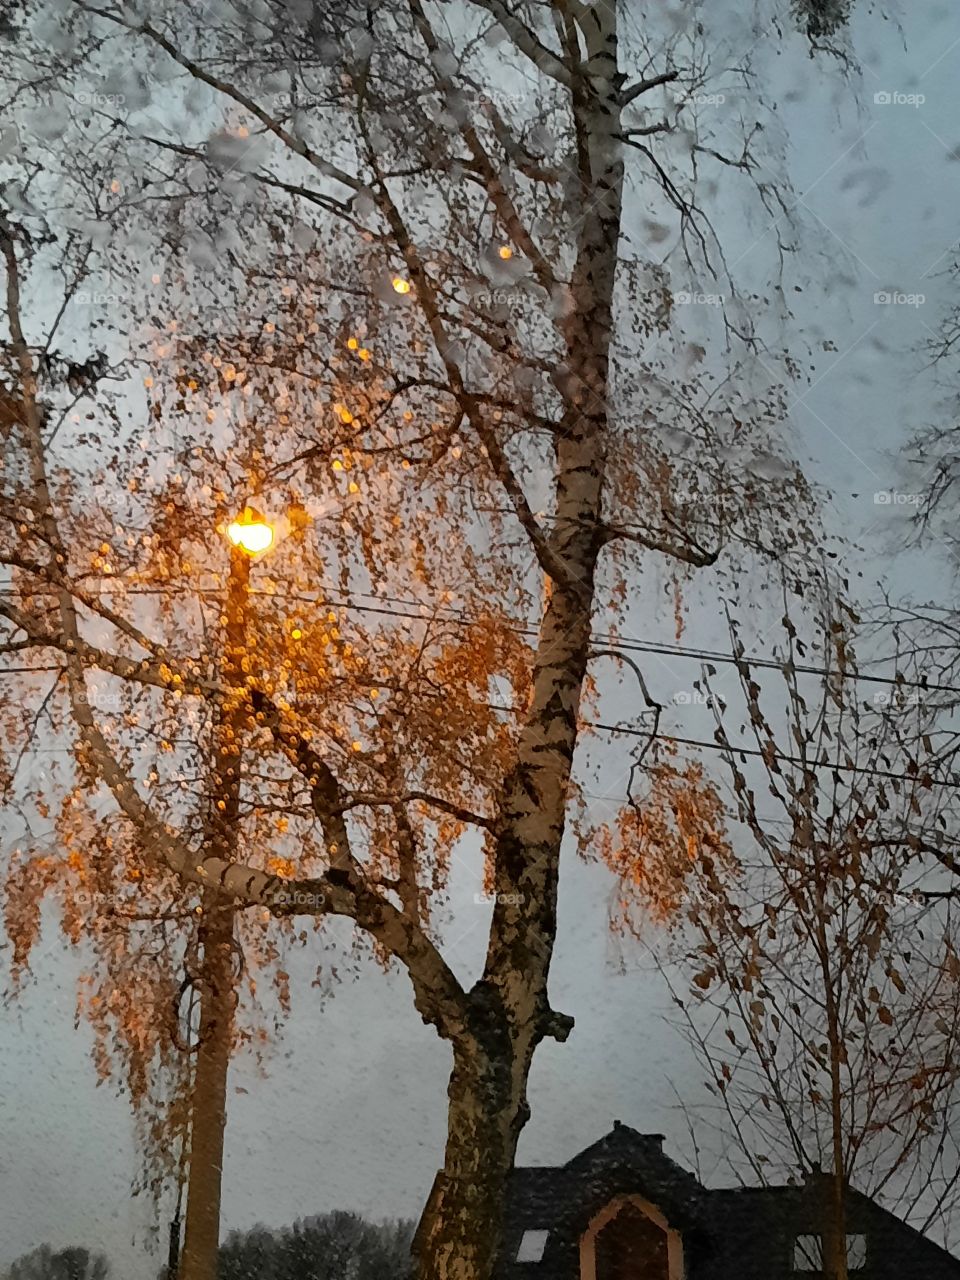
[
  {"x": 751, "y": 1232},
  {"x": 744, "y": 1233}
]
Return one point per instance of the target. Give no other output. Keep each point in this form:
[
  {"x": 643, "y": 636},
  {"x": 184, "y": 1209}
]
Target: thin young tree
[{"x": 818, "y": 940}]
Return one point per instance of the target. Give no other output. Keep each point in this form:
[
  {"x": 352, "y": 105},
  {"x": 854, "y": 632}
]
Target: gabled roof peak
[
  {"x": 622, "y": 1137},
  {"x": 625, "y": 1147},
  {"x": 657, "y": 1139}
]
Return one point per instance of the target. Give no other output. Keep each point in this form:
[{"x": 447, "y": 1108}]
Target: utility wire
[
  {"x": 616, "y": 644},
  {"x": 778, "y": 756},
  {"x": 608, "y": 640}
]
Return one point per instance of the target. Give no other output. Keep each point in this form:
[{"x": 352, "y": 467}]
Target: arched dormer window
[{"x": 630, "y": 1239}]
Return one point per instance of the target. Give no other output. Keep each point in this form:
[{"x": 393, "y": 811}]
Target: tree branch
[
  {"x": 644, "y": 86},
  {"x": 293, "y": 143},
  {"x": 528, "y": 44},
  {"x": 691, "y": 554}
]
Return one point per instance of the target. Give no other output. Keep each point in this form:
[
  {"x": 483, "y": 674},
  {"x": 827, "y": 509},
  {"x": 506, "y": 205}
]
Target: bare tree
[{"x": 821, "y": 939}]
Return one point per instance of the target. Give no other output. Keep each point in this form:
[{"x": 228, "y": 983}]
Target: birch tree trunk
[
  {"x": 457, "y": 1235},
  {"x": 460, "y": 1232}
]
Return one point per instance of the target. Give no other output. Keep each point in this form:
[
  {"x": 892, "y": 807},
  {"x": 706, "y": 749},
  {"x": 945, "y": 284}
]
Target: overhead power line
[
  {"x": 608, "y": 641},
  {"x": 778, "y": 756},
  {"x": 725, "y": 747}
]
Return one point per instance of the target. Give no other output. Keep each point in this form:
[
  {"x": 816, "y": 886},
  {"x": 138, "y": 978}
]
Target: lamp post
[{"x": 250, "y": 535}]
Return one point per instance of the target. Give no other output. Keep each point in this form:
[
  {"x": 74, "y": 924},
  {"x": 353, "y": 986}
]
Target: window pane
[
  {"x": 532, "y": 1246},
  {"x": 807, "y": 1254},
  {"x": 856, "y": 1252}
]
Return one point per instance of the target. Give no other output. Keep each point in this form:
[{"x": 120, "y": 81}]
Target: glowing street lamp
[{"x": 251, "y": 533}]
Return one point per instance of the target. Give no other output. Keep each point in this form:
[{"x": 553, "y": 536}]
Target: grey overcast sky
[{"x": 352, "y": 1111}]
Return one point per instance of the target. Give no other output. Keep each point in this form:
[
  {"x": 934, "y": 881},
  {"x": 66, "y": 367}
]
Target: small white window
[
  {"x": 807, "y": 1254},
  {"x": 532, "y": 1246},
  {"x": 856, "y": 1253}
]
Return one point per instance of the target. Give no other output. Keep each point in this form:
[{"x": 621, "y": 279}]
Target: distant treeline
[
  {"x": 331, "y": 1246},
  {"x": 45, "y": 1263}
]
